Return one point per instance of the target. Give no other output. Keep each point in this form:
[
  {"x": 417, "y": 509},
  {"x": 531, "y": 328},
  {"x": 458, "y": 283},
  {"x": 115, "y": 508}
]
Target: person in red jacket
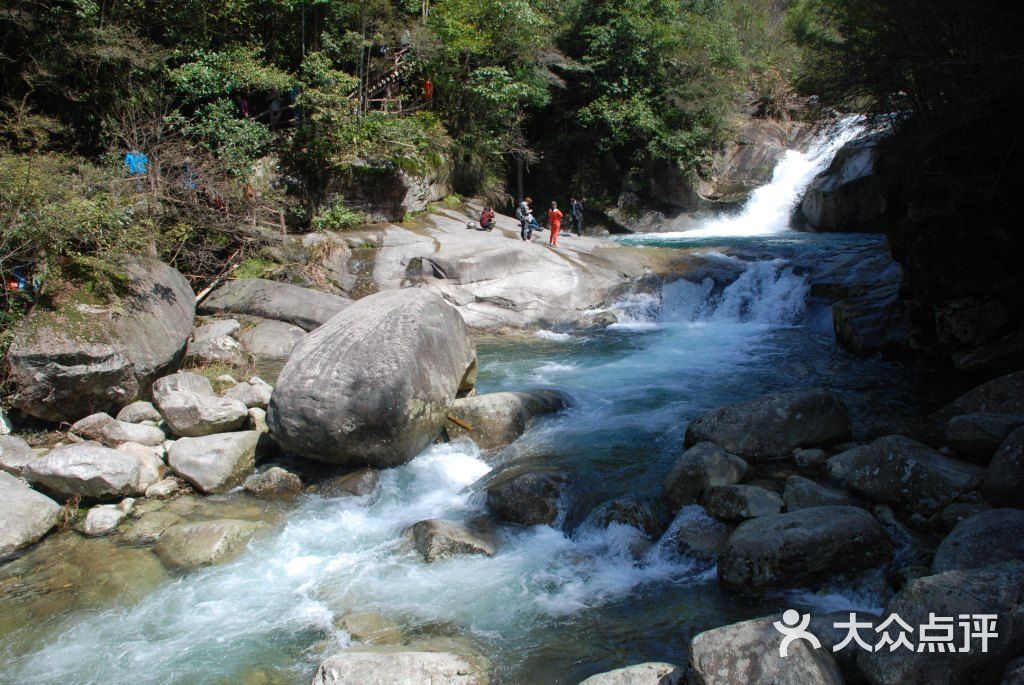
[
  {"x": 554, "y": 223},
  {"x": 487, "y": 218}
]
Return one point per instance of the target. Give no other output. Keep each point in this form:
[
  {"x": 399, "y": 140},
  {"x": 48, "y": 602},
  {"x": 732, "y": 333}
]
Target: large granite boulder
[
  {"x": 25, "y": 515},
  {"x": 748, "y": 652},
  {"x": 1004, "y": 479},
  {"x": 905, "y": 474},
  {"x": 83, "y": 358},
  {"x": 15, "y": 454},
  {"x": 849, "y": 195},
  {"x": 271, "y": 340},
  {"x": 398, "y": 666},
  {"x": 695, "y": 535},
  {"x": 698, "y": 468},
  {"x": 649, "y": 673},
  {"x": 978, "y": 435},
  {"x": 191, "y": 545},
  {"x": 1003, "y": 395},
  {"x": 375, "y": 384},
  {"x": 526, "y": 496},
  {"x": 292, "y": 304},
  {"x": 803, "y": 546},
  {"x": 498, "y": 418},
  {"x": 740, "y": 502},
  {"x": 88, "y": 469},
  {"x": 803, "y": 493},
  {"x": 772, "y": 426},
  {"x": 988, "y": 537},
  {"x": 435, "y": 539},
  {"x": 215, "y": 463},
  {"x": 192, "y": 415},
  {"x": 993, "y": 590}
]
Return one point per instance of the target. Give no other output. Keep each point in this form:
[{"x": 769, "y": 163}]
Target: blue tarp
[{"x": 136, "y": 162}]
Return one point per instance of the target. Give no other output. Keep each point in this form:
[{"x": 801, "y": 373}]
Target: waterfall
[{"x": 769, "y": 207}]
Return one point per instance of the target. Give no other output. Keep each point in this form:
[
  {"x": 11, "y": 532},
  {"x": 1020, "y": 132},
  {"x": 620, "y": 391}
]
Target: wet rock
[
  {"x": 803, "y": 546},
  {"x": 163, "y": 489},
  {"x": 801, "y": 493},
  {"x": 15, "y": 454},
  {"x": 88, "y": 469},
  {"x": 977, "y": 436},
  {"x": 139, "y": 411},
  {"x": 255, "y": 393},
  {"x": 271, "y": 340},
  {"x": 650, "y": 673},
  {"x": 875, "y": 321},
  {"x": 215, "y": 463},
  {"x": 773, "y": 426},
  {"x": 498, "y": 418},
  {"x": 85, "y": 358},
  {"x": 191, "y": 545},
  {"x": 739, "y": 502},
  {"x": 635, "y": 512},
  {"x": 102, "y": 519},
  {"x": 989, "y": 537},
  {"x": 25, "y": 515},
  {"x": 275, "y": 482},
  {"x": 183, "y": 381},
  {"x": 358, "y": 483},
  {"x": 696, "y": 535},
  {"x": 358, "y": 667},
  {"x": 192, "y": 415},
  {"x": 292, "y": 304},
  {"x": 1004, "y": 479},
  {"x": 149, "y": 527},
  {"x": 997, "y": 589},
  {"x": 370, "y": 627},
  {"x": 849, "y": 195},
  {"x": 375, "y": 385},
  {"x": 435, "y": 539},
  {"x": 748, "y": 652},
  {"x": 703, "y": 465},
  {"x": 1003, "y": 395},
  {"x": 904, "y": 474},
  {"x": 527, "y": 497}
]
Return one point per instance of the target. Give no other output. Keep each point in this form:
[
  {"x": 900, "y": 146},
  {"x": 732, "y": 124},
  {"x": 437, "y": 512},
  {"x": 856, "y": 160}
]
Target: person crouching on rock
[
  {"x": 525, "y": 215},
  {"x": 487, "y": 219},
  {"x": 554, "y": 223}
]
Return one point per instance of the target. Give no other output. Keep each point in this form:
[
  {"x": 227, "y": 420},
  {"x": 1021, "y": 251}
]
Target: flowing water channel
[{"x": 554, "y": 604}]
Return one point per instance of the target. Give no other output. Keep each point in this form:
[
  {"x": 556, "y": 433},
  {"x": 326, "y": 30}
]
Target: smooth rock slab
[
  {"x": 292, "y": 304},
  {"x": 88, "y": 469},
  {"x": 772, "y": 426},
  {"x": 435, "y": 539},
  {"x": 498, "y": 418},
  {"x": 801, "y": 547},
  {"x": 748, "y": 653},
  {"x": 698, "y": 468},
  {"x": 374, "y": 385},
  {"x": 191, "y": 415},
  {"x": 650, "y": 673},
  {"x": 397, "y": 668},
  {"x": 905, "y": 474},
  {"x": 215, "y": 463},
  {"x": 740, "y": 502},
  {"x": 25, "y": 515},
  {"x": 191, "y": 545},
  {"x": 996, "y": 589},
  {"x": 15, "y": 454},
  {"x": 989, "y": 537}
]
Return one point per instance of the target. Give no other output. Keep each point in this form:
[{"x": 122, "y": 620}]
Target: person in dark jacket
[
  {"x": 576, "y": 212},
  {"x": 524, "y": 212}
]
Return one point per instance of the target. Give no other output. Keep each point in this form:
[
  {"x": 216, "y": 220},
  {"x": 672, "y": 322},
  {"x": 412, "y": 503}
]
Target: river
[{"x": 554, "y": 604}]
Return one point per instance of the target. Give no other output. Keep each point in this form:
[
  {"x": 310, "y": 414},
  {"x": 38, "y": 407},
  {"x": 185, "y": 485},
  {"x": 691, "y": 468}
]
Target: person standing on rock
[
  {"x": 576, "y": 212},
  {"x": 525, "y": 215},
  {"x": 554, "y": 223}
]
